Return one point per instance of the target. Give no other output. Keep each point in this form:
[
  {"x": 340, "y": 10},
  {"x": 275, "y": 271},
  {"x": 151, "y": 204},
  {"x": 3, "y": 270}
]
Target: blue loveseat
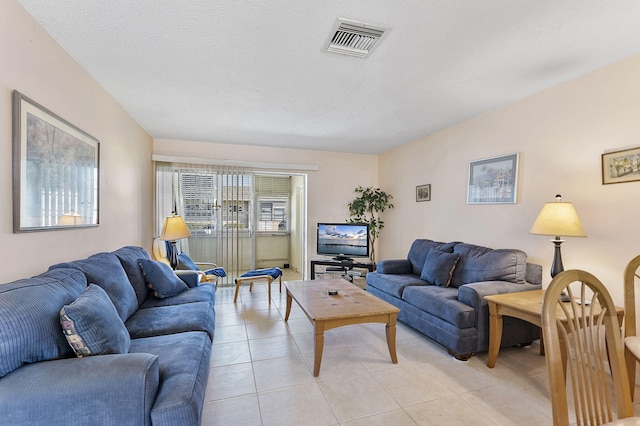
[
  {"x": 149, "y": 348},
  {"x": 440, "y": 289}
]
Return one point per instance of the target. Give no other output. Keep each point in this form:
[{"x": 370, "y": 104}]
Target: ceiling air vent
[{"x": 354, "y": 38}]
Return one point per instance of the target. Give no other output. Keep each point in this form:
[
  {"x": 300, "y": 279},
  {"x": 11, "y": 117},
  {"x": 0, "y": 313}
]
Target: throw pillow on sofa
[
  {"x": 438, "y": 267},
  {"x": 162, "y": 281},
  {"x": 92, "y": 325}
]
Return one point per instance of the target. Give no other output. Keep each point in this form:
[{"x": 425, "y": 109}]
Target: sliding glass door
[{"x": 239, "y": 219}]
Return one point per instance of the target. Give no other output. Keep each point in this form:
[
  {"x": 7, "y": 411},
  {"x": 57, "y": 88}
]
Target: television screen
[{"x": 343, "y": 240}]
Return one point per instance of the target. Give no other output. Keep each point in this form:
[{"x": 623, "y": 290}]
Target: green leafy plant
[{"x": 366, "y": 208}]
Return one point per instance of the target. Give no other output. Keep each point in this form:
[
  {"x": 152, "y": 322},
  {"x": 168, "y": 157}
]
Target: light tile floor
[{"x": 261, "y": 374}]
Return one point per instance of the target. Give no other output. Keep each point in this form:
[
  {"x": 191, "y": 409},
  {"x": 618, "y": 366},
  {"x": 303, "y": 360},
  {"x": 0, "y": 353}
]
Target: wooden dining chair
[
  {"x": 631, "y": 340},
  {"x": 584, "y": 348}
]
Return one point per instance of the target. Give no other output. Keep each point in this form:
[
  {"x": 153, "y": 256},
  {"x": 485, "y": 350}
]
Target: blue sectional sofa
[
  {"x": 440, "y": 289},
  {"x": 104, "y": 341}
]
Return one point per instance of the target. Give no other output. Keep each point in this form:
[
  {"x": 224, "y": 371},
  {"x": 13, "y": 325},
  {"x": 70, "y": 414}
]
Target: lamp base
[
  {"x": 173, "y": 256},
  {"x": 556, "y": 265}
]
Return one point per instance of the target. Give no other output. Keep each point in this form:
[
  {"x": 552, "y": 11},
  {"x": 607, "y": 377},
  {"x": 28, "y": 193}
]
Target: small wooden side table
[{"x": 525, "y": 305}]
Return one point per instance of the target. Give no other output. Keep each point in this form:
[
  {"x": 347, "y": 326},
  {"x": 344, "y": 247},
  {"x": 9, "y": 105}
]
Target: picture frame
[
  {"x": 55, "y": 171},
  {"x": 493, "y": 180},
  {"x": 621, "y": 166},
  {"x": 423, "y": 192}
]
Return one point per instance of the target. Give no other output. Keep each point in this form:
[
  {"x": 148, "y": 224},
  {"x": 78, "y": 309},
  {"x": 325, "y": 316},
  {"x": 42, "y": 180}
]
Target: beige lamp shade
[
  {"x": 558, "y": 219},
  {"x": 174, "y": 228}
]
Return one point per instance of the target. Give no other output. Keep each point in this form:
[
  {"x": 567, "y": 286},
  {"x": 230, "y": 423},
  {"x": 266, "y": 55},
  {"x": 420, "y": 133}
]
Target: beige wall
[
  {"x": 560, "y": 134},
  {"x": 329, "y": 188},
  {"x": 35, "y": 65}
]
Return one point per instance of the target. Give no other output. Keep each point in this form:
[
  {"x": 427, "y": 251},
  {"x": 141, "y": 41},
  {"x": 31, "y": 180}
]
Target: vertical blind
[{"x": 217, "y": 204}]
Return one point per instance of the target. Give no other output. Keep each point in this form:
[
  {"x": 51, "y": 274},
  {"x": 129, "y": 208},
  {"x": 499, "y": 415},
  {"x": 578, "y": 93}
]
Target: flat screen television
[{"x": 343, "y": 241}]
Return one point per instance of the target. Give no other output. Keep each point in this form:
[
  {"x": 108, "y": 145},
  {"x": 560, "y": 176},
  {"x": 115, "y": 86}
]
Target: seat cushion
[
  {"x": 272, "y": 272},
  {"x": 202, "y": 293},
  {"x": 184, "y": 368},
  {"x": 92, "y": 326},
  {"x": 393, "y": 284},
  {"x": 105, "y": 270},
  {"x": 30, "y": 311},
  {"x": 128, "y": 257},
  {"x": 197, "y": 316},
  {"x": 161, "y": 279},
  {"x": 441, "y": 302}
]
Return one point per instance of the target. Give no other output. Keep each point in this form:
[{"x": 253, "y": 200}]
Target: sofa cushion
[
  {"x": 184, "y": 368},
  {"x": 196, "y": 316},
  {"x": 439, "y": 266},
  {"x": 105, "y": 270},
  {"x": 420, "y": 249},
  {"x": 485, "y": 264},
  {"x": 30, "y": 312},
  {"x": 129, "y": 256},
  {"x": 92, "y": 326},
  {"x": 441, "y": 302},
  {"x": 161, "y": 279},
  {"x": 202, "y": 293},
  {"x": 392, "y": 284}
]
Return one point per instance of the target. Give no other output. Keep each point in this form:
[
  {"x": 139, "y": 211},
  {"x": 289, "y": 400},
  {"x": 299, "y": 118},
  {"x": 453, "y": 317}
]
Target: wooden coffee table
[
  {"x": 525, "y": 305},
  {"x": 351, "y": 305}
]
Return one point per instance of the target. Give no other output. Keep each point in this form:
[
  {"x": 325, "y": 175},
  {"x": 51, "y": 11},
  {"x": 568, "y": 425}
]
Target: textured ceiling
[{"x": 255, "y": 71}]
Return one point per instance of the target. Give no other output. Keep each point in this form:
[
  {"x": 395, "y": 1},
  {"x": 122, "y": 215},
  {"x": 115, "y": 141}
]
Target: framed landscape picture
[
  {"x": 55, "y": 170},
  {"x": 621, "y": 166},
  {"x": 493, "y": 180}
]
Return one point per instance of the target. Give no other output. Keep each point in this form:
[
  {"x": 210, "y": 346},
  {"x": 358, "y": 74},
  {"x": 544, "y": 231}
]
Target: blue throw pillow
[
  {"x": 162, "y": 281},
  {"x": 185, "y": 263},
  {"x": 92, "y": 325},
  {"x": 438, "y": 267}
]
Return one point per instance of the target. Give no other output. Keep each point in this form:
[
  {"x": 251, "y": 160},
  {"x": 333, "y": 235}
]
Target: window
[{"x": 272, "y": 199}]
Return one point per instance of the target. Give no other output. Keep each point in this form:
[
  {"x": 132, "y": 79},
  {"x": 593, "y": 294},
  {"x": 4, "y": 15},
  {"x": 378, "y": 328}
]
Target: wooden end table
[
  {"x": 351, "y": 305},
  {"x": 525, "y": 305}
]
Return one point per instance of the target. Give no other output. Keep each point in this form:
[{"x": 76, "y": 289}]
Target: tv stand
[{"x": 345, "y": 264}]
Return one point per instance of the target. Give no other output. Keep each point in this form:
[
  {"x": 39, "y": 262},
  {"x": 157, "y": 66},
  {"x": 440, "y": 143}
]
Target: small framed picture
[
  {"x": 423, "y": 192},
  {"x": 621, "y": 166}
]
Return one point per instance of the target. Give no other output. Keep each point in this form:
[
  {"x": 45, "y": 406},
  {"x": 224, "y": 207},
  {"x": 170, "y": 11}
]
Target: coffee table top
[{"x": 351, "y": 301}]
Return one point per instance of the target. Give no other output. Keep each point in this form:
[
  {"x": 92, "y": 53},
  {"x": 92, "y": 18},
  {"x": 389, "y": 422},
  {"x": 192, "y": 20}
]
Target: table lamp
[
  {"x": 558, "y": 219},
  {"x": 174, "y": 228},
  {"x": 70, "y": 219}
]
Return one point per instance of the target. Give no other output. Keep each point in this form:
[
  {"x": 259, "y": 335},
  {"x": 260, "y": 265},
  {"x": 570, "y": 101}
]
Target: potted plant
[{"x": 366, "y": 208}]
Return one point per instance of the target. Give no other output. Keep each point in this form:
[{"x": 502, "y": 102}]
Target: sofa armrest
[
  {"x": 394, "y": 266},
  {"x": 103, "y": 389},
  {"x": 190, "y": 278},
  {"x": 473, "y": 295}
]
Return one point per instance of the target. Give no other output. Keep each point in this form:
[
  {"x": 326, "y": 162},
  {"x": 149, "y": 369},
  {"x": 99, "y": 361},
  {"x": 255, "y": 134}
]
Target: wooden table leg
[
  {"x": 318, "y": 345},
  {"x": 289, "y": 300},
  {"x": 495, "y": 334},
  {"x": 391, "y": 337}
]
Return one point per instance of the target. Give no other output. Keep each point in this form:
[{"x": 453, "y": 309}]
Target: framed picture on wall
[
  {"x": 423, "y": 192},
  {"x": 621, "y": 166},
  {"x": 493, "y": 180},
  {"x": 55, "y": 170}
]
